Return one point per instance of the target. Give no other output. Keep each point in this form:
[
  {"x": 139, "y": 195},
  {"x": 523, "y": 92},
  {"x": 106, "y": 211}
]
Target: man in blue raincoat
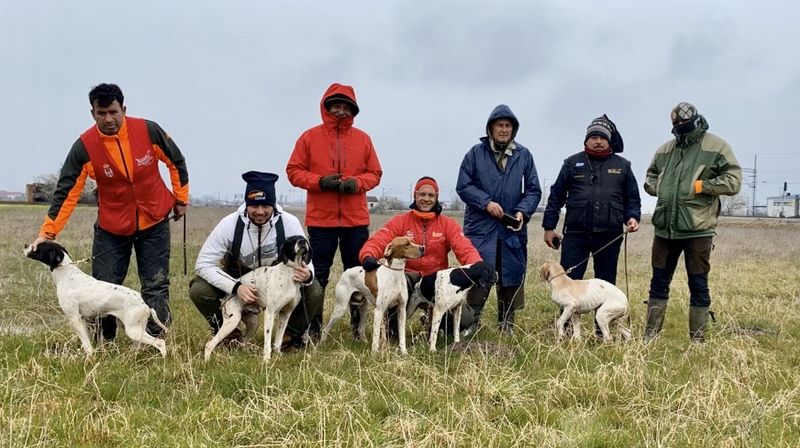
[{"x": 498, "y": 183}]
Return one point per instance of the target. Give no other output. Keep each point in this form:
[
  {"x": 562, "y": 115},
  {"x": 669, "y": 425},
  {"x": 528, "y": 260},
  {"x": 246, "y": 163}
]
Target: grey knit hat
[
  {"x": 683, "y": 112},
  {"x": 600, "y": 127}
]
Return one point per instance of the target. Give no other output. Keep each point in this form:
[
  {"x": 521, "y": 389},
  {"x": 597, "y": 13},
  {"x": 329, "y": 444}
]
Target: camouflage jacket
[{"x": 686, "y": 208}]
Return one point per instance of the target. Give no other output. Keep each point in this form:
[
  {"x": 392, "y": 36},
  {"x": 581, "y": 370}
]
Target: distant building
[
  {"x": 372, "y": 201},
  {"x": 784, "y": 206},
  {"x": 12, "y": 195}
]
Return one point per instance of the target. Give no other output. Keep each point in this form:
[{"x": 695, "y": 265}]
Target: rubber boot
[
  {"x": 698, "y": 316},
  {"x": 471, "y": 321},
  {"x": 656, "y": 309}
]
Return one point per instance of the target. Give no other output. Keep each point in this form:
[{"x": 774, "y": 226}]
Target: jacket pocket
[
  {"x": 576, "y": 215},
  {"x": 660, "y": 214},
  {"x": 697, "y": 214}
]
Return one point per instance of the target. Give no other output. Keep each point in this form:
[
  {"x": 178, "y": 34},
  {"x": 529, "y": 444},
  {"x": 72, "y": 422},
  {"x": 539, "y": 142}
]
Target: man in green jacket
[{"x": 687, "y": 174}]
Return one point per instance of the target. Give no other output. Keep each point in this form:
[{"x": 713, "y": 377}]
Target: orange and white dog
[
  {"x": 384, "y": 287},
  {"x": 581, "y": 296}
]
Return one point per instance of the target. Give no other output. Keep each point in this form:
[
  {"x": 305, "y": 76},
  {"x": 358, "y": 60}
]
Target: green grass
[{"x": 739, "y": 389}]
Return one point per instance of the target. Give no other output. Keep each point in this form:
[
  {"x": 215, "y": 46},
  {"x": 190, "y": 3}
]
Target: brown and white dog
[
  {"x": 581, "y": 296},
  {"x": 384, "y": 287},
  {"x": 278, "y": 295},
  {"x": 82, "y": 297}
]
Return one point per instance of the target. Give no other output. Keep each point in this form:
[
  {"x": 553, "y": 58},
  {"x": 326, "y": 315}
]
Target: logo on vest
[
  {"x": 146, "y": 160},
  {"x": 107, "y": 170},
  {"x": 615, "y": 171}
]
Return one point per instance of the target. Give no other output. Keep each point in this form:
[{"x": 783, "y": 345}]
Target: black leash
[
  {"x": 623, "y": 234},
  {"x": 131, "y": 241}
]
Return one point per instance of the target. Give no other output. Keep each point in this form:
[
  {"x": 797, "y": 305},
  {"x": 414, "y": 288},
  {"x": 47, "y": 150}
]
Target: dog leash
[
  {"x": 623, "y": 234},
  {"x": 131, "y": 240}
]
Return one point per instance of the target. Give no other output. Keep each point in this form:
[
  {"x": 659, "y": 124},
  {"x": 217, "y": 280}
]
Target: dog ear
[
  {"x": 388, "y": 251},
  {"x": 544, "y": 273},
  {"x": 56, "y": 257}
]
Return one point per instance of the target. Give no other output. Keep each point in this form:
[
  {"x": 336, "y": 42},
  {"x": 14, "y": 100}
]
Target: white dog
[
  {"x": 384, "y": 287},
  {"x": 581, "y": 296},
  {"x": 81, "y": 296},
  {"x": 450, "y": 294},
  {"x": 278, "y": 295}
]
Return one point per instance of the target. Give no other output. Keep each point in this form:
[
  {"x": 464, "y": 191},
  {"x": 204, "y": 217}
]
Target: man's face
[
  {"x": 597, "y": 144},
  {"x": 502, "y": 130},
  {"x": 109, "y": 119},
  {"x": 259, "y": 214},
  {"x": 425, "y": 198},
  {"x": 340, "y": 110}
]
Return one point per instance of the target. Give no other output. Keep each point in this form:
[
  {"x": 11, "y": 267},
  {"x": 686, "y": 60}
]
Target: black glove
[
  {"x": 370, "y": 264},
  {"x": 330, "y": 182},
  {"x": 347, "y": 186}
]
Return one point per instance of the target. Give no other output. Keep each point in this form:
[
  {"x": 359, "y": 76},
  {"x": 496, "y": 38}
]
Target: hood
[
  {"x": 329, "y": 120},
  {"x": 503, "y": 111}
]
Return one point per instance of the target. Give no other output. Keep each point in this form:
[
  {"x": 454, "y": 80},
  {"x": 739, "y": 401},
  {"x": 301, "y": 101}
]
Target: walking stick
[{"x": 184, "y": 245}]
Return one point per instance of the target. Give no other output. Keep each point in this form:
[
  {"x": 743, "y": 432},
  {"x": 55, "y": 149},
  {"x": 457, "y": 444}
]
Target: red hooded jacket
[
  {"x": 439, "y": 235},
  {"x": 335, "y": 146}
]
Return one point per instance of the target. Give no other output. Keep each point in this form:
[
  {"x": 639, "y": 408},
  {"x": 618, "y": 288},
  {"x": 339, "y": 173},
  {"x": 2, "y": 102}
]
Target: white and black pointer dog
[
  {"x": 278, "y": 295},
  {"x": 450, "y": 293},
  {"x": 84, "y": 297}
]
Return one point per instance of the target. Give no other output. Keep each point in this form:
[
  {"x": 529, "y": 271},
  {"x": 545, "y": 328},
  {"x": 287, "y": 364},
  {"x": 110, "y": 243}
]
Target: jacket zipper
[
  {"x": 128, "y": 175},
  {"x": 338, "y": 171},
  {"x": 258, "y": 241}
]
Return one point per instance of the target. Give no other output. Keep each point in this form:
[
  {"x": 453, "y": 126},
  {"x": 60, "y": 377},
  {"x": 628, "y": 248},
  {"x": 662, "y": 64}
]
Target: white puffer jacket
[{"x": 218, "y": 243}]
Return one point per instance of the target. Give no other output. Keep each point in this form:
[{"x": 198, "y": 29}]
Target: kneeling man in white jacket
[{"x": 249, "y": 238}]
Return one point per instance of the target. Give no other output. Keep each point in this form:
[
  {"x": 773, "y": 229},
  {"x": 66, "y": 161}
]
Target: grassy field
[{"x": 742, "y": 388}]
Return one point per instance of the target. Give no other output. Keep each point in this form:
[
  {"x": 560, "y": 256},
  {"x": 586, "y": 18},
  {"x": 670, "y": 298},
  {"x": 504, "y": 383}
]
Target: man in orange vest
[{"x": 121, "y": 154}]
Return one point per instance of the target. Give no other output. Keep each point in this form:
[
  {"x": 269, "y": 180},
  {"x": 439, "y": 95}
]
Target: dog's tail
[{"x": 158, "y": 322}]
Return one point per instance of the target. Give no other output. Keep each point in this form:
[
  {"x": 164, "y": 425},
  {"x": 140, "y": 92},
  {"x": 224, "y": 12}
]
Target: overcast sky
[{"x": 236, "y": 82}]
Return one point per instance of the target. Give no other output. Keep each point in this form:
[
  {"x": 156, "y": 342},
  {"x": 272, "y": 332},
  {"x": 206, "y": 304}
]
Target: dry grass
[{"x": 739, "y": 389}]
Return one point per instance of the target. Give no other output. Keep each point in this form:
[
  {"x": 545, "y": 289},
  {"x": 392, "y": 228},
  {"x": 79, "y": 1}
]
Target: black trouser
[
  {"x": 578, "y": 246},
  {"x": 113, "y": 256},
  {"x": 324, "y": 241},
  {"x": 697, "y": 258},
  {"x": 207, "y": 299}
]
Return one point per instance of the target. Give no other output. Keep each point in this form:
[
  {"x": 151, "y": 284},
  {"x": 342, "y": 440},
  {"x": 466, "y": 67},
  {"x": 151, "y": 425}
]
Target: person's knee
[{"x": 313, "y": 296}]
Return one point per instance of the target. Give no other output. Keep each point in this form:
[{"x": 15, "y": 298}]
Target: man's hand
[
  {"x": 302, "y": 274},
  {"x": 330, "y": 182},
  {"x": 370, "y": 264},
  {"x": 348, "y": 186},
  {"x": 633, "y": 225},
  {"x": 550, "y": 236},
  {"x": 39, "y": 239},
  {"x": 494, "y": 209},
  {"x": 178, "y": 211},
  {"x": 521, "y": 218},
  {"x": 248, "y": 294}
]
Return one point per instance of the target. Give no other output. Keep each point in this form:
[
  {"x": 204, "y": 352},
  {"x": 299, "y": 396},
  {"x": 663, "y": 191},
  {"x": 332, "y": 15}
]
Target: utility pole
[
  {"x": 755, "y": 168},
  {"x": 752, "y": 173}
]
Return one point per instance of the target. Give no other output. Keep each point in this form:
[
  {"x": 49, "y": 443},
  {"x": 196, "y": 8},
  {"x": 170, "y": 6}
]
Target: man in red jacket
[
  {"x": 336, "y": 163},
  {"x": 122, "y": 153},
  {"x": 439, "y": 234}
]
